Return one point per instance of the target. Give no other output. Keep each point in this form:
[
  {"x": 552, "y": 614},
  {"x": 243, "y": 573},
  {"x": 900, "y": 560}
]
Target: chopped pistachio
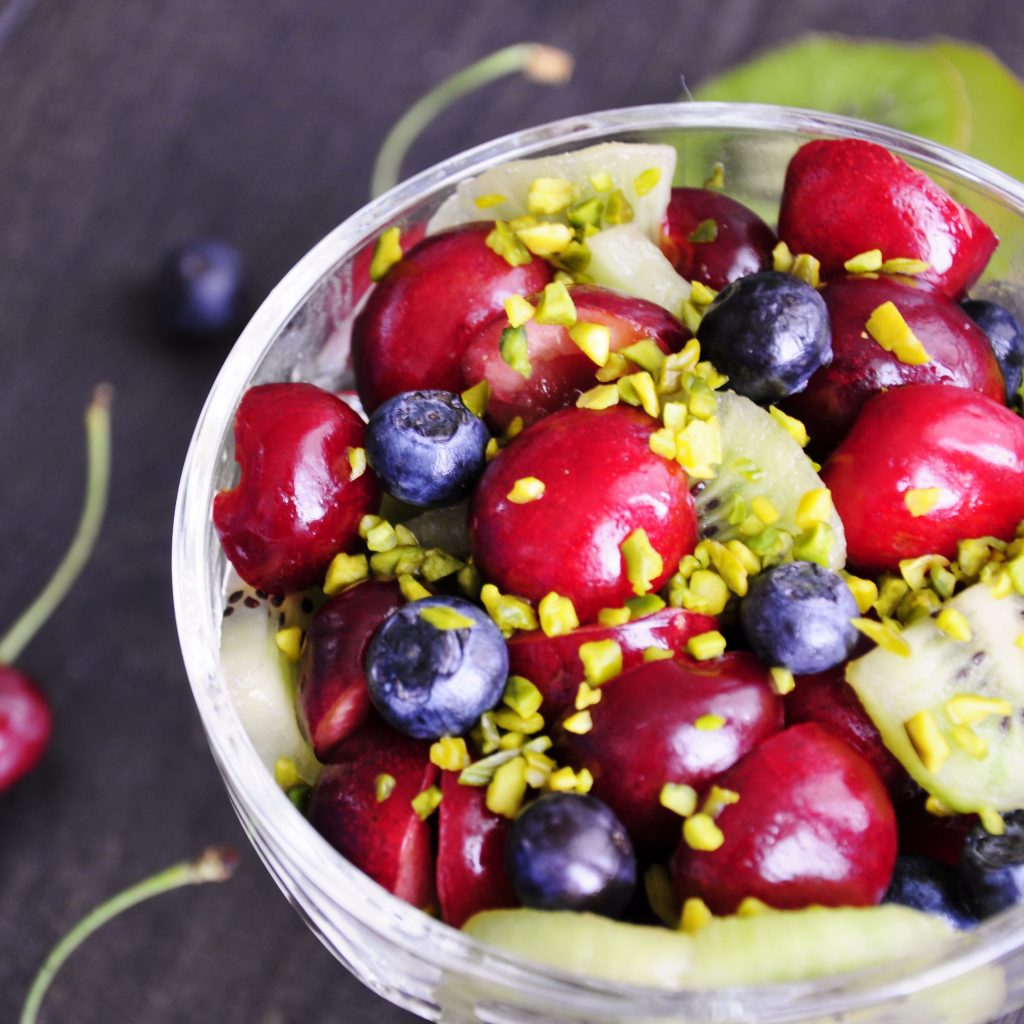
[
  {"x": 617, "y": 209},
  {"x": 701, "y": 833},
  {"x": 927, "y": 740},
  {"x": 586, "y": 696},
  {"x": 525, "y": 490},
  {"x": 512, "y": 721},
  {"x": 643, "y": 563},
  {"x": 695, "y": 915},
  {"x": 967, "y": 739},
  {"x": 475, "y": 399},
  {"x": 658, "y": 654},
  {"x": 887, "y": 326},
  {"x": 602, "y": 396},
  {"x": 289, "y": 642},
  {"x": 791, "y": 425},
  {"x": 904, "y": 265},
  {"x": 563, "y": 780},
  {"x": 442, "y": 617},
  {"x": 286, "y": 773},
  {"x": 602, "y": 181},
  {"x": 381, "y": 537},
  {"x": 709, "y": 723},
  {"x": 883, "y": 635},
  {"x": 580, "y": 723},
  {"x": 701, "y": 294},
  {"x": 613, "y": 616},
  {"x": 425, "y": 803},
  {"x": 646, "y": 180},
  {"x": 970, "y": 708},
  {"x": 356, "y": 462},
  {"x": 586, "y": 213},
  {"x": 547, "y": 239},
  {"x": 954, "y": 624},
  {"x": 507, "y": 788},
  {"x": 782, "y": 258},
  {"x": 705, "y": 231},
  {"x": 438, "y": 564},
  {"x": 921, "y": 500},
  {"x": 503, "y": 241},
  {"x": 547, "y": 196},
  {"x": 646, "y": 354},
  {"x": 716, "y": 180},
  {"x": 594, "y": 340},
  {"x": 602, "y": 660},
  {"x": 992, "y": 821},
  {"x": 513, "y": 346},
  {"x": 705, "y": 646},
  {"x": 646, "y": 604},
  {"x": 490, "y": 200},
  {"x": 345, "y": 570},
  {"x": 386, "y": 253},
  {"x": 807, "y": 268},
  {"x": 411, "y": 588},
  {"x": 508, "y": 612},
  {"x": 814, "y": 507},
  {"x": 783, "y": 681},
  {"x": 679, "y": 798},
  {"x": 864, "y": 591},
  {"x": 815, "y": 544},
  {"x": 556, "y": 306},
  {"x": 864, "y": 262},
  {"x": 557, "y": 615},
  {"x": 522, "y": 696},
  {"x": 718, "y": 799},
  {"x": 617, "y": 366},
  {"x": 449, "y": 753},
  {"x": 384, "y": 786}
]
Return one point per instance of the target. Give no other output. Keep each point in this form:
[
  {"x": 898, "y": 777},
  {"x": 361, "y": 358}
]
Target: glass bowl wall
[{"x": 300, "y": 333}]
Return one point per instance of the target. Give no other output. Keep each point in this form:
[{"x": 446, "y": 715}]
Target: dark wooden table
[{"x": 124, "y": 128}]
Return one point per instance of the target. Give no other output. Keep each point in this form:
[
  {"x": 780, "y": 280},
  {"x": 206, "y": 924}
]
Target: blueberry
[
  {"x": 768, "y": 332},
  {"x": 991, "y": 868},
  {"x": 797, "y": 615},
  {"x": 1006, "y": 337},
  {"x": 570, "y": 852},
  {"x": 201, "y": 290},
  {"x": 434, "y": 666},
  {"x": 426, "y": 447},
  {"x": 930, "y": 886}
]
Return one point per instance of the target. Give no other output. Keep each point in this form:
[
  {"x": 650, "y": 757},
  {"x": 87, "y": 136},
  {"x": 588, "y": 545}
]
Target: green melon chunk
[
  {"x": 893, "y": 689},
  {"x": 625, "y": 259},
  {"x": 759, "y": 459},
  {"x": 261, "y": 682},
  {"x": 623, "y": 162},
  {"x": 776, "y": 946}
]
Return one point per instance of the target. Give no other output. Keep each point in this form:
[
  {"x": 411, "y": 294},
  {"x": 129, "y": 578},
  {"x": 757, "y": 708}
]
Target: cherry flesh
[
  {"x": 295, "y": 505},
  {"x": 813, "y": 825},
  {"x": 417, "y": 322},
  {"x": 740, "y": 243},
  {"x": 559, "y": 369},
  {"x": 602, "y": 482}
]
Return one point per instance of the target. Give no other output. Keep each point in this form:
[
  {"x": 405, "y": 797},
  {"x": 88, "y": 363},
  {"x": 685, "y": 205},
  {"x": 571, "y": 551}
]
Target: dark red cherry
[
  {"x": 332, "y": 699},
  {"x": 738, "y": 244},
  {"x": 25, "y": 725},
  {"x": 295, "y": 505},
  {"x": 417, "y": 322},
  {"x": 924, "y": 467},
  {"x": 471, "y": 874},
  {"x": 553, "y": 663},
  {"x": 813, "y": 825},
  {"x": 385, "y": 838},
  {"x": 651, "y": 727},
  {"x": 602, "y": 483},
  {"x": 559, "y": 369},
  {"x": 959, "y": 354},
  {"x": 847, "y": 196}
]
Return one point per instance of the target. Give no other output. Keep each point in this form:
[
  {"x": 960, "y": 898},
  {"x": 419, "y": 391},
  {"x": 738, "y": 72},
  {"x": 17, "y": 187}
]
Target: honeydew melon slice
[
  {"x": 625, "y": 259},
  {"x": 261, "y": 682},
  {"x": 894, "y": 689},
  {"x": 775, "y": 946},
  {"x": 502, "y": 190}
]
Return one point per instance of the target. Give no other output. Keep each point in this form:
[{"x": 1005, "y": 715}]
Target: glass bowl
[{"x": 299, "y": 333}]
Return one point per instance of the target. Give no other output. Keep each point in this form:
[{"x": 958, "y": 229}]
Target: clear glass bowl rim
[{"x": 261, "y": 805}]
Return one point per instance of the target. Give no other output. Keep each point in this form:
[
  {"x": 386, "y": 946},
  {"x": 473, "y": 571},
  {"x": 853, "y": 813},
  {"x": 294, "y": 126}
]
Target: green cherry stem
[
  {"x": 215, "y": 864},
  {"x": 97, "y": 441},
  {"x": 536, "y": 61}
]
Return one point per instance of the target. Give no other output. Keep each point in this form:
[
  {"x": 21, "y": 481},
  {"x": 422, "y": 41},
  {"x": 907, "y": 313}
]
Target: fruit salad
[{"x": 661, "y": 587}]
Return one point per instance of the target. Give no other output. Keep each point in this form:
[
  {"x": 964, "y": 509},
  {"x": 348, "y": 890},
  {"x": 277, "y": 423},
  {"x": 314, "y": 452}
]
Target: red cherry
[
  {"x": 295, "y": 505},
  {"x": 416, "y": 323},
  {"x": 333, "y": 700},
  {"x": 471, "y": 874},
  {"x": 644, "y": 735},
  {"x": 559, "y": 369},
  {"x": 959, "y": 352},
  {"x": 742, "y": 242},
  {"x": 960, "y": 448},
  {"x": 813, "y": 825},
  {"x": 553, "y": 663},
  {"x": 845, "y": 197},
  {"x": 384, "y": 838},
  {"x": 602, "y": 482},
  {"x": 828, "y": 700},
  {"x": 25, "y": 725}
]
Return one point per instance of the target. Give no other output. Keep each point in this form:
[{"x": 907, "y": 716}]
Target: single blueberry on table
[
  {"x": 201, "y": 290},
  {"x": 570, "y": 852},
  {"x": 991, "y": 868},
  {"x": 434, "y": 666},
  {"x": 768, "y": 332},
  {"x": 797, "y": 616},
  {"x": 930, "y": 886},
  {"x": 426, "y": 447},
  {"x": 1005, "y": 335}
]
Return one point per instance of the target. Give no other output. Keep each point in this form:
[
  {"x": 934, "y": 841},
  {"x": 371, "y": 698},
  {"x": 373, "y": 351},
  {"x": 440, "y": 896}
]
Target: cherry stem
[
  {"x": 215, "y": 864},
  {"x": 97, "y": 443},
  {"x": 537, "y": 62}
]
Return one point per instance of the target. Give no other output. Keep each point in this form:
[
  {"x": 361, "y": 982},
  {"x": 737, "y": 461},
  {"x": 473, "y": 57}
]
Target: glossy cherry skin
[
  {"x": 960, "y": 354},
  {"x": 25, "y": 725},
  {"x": 553, "y": 663},
  {"x": 643, "y": 735},
  {"x": 921, "y": 437},
  {"x": 559, "y": 369},
  {"x": 602, "y": 482},
  {"x": 827, "y": 699},
  {"x": 813, "y": 825},
  {"x": 845, "y": 197},
  {"x": 416, "y": 323},
  {"x": 742, "y": 244},
  {"x": 294, "y": 506},
  {"x": 383, "y": 838},
  {"x": 471, "y": 873},
  {"x": 332, "y": 699}
]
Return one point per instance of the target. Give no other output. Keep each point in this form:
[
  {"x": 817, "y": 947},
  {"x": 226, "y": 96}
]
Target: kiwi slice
[
  {"x": 775, "y": 946},
  {"x": 261, "y": 680},
  {"x": 981, "y": 768},
  {"x": 759, "y": 459},
  {"x": 640, "y": 171},
  {"x": 625, "y": 259},
  {"x": 914, "y": 88}
]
